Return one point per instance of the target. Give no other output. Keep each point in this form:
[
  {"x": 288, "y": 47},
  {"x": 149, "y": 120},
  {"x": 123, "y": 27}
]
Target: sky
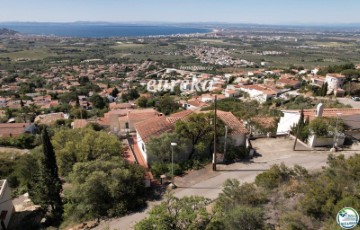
[{"x": 231, "y": 11}]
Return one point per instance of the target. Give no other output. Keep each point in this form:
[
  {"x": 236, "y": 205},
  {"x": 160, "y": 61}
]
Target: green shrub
[
  {"x": 158, "y": 169},
  {"x": 273, "y": 177}
]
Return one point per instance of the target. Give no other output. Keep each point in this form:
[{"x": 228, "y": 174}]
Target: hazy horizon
[
  {"x": 185, "y": 22},
  {"x": 262, "y": 12}
]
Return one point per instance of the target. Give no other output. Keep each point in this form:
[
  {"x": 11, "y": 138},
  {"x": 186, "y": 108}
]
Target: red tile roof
[
  {"x": 12, "y": 129},
  {"x": 287, "y": 81},
  {"x": 80, "y": 123},
  {"x": 179, "y": 116},
  {"x": 197, "y": 103},
  {"x": 235, "y": 125},
  {"x": 266, "y": 122},
  {"x": 330, "y": 112},
  {"x": 153, "y": 127}
]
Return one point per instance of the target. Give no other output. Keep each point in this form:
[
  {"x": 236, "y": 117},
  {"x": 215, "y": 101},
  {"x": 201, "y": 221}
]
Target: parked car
[{"x": 355, "y": 98}]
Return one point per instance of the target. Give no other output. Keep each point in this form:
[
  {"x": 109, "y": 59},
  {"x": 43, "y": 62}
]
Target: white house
[
  {"x": 154, "y": 127},
  {"x": 334, "y": 81},
  {"x": 6, "y": 205},
  {"x": 351, "y": 118},
  {"x": 194, "y": 104},
  {"x": 238, "y": 131},
  {"x": 260, "y": 93},
  {"x": 231, "y": 93},
  {"x": 315, "y": 71}
]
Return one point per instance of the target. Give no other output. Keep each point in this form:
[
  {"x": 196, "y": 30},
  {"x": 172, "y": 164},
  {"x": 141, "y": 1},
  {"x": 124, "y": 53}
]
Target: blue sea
[{"x": 99, "y": 30}]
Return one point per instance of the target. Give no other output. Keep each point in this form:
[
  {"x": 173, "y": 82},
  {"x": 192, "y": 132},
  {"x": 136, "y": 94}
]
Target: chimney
[{"x": 319, "y": 110}]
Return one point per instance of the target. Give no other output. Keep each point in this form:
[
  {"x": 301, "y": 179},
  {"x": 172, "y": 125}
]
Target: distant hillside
[{"x": 7, "y": 32}]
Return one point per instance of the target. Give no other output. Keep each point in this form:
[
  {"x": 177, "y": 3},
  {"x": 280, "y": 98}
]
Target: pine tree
[
  {"x": 46, "y": 187},
  {"x": 325, "y": 89}
]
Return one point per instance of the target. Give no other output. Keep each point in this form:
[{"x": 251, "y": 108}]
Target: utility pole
[
  {"x": 296, "y": 137},
  {"x": 214, "y": 154},
  {"x": 226, "y": 132},
  {"x": 300, "y": 124}
]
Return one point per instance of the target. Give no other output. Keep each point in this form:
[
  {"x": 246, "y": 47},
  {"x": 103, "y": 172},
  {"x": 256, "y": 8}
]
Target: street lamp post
[
  {"x": 173, "y": 144},
  {"x": 214, "y": 154}
]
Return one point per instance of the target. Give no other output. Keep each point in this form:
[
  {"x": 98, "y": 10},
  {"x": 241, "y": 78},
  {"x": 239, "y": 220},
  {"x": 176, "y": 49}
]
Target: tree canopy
[
  {"x": 81, "y": 145},
  {"x": 104, "y": 188}
]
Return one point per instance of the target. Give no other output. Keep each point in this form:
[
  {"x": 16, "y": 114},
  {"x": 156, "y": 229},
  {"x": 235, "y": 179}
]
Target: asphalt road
[
  {"x": 273, "y": 151},
  {"x": 348, "y": 101}
]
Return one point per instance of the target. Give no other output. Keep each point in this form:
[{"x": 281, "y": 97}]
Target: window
[{"x": 127, "y": 125}]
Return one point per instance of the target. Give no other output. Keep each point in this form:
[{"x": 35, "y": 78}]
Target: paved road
[
  {"x": 273, "y": 151},
  {"x": 348, "y": 101}
]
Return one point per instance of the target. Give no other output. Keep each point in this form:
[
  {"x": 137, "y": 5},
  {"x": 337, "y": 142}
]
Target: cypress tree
[{"x": 46, "y": 186}]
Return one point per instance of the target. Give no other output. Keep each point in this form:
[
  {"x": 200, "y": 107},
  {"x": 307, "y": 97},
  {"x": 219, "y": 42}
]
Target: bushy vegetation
[
  {"x": 24, "y": 141},
  {"x": 82, "y": 145},
  {"x": 104, "y": 188},
  {"x": 100, "y": 182},
  {"x": 280, "y": 198}
]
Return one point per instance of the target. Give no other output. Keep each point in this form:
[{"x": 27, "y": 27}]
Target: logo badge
[{"x": 347, "y": 218}]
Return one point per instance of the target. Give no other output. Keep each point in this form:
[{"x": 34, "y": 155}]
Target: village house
[
  {"x": 286, "y": 82},
  {"x": 115, "y": 106},
  {"x": 231, "y": 93},
  {"x": 6, "y": 206},
  {"x": 318, "y": 80},
  {"x": 84, "y": 102},
  {"x": 260, "y": 93},
  {"x": 349, "y": 116},
  {"x": 194, "y": 103},
  {"x": 45, "y": 102},
  {"x": 50, "y": 119},
  {"x": 260, "y": 126},
  {"x": 159, "y": 125},
  {"x": 122, "y": 121},
  {"x": 334, "y": 82},
  {"x": 16, "y": 129},
  {"x": 79, "y": 123}
]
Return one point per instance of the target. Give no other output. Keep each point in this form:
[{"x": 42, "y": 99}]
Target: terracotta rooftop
[
  {"x": 196, "y": 103},
  {"x": 331, "y": 112},
  {"x": 287, "y": 81},
  {"x": 153, "y": 127},
  {"x": 266, "y": 122},
  {"x": 179, "y": 116},
  {"x": 235, "y": 125},
  {"x": 142, "y": 114},
  {"x": 12, "y": 129},
  {"x": 80, "y": 123},
  {"x": 49, "y": 119},
  {"x": 115, "y": 105}
]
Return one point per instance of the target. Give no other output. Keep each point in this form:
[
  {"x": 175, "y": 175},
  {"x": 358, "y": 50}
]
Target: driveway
[{"x": 209, "y": 184}]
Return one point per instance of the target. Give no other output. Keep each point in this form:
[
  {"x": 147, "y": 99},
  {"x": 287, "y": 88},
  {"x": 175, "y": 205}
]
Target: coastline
[{"x": 96, "y": 31}]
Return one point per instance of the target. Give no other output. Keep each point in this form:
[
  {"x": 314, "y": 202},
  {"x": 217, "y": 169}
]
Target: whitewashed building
[
  {"x": 335, "y": 82},
  {"x": 6, "y": 205}
]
